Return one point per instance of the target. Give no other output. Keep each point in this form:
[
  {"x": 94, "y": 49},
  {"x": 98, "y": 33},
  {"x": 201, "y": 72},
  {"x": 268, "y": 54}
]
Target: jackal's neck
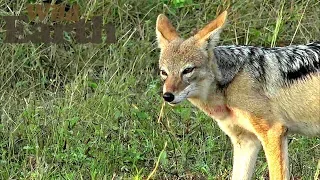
[{"x": 213, "y": 103}]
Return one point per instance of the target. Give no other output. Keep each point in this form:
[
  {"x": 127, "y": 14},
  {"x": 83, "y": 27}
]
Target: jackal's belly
[
  {"x": 310, "y": 129},
  {"x": 298, "y": 106}
]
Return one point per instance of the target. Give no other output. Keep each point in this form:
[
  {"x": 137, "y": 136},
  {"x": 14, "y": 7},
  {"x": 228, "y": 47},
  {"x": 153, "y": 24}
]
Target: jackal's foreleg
[
  {"x": 274, "y": 142},
  {"x": 245, "y": 151}
]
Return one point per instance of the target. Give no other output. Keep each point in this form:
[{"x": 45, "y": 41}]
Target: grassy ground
[{"x": 91, "y": 111}]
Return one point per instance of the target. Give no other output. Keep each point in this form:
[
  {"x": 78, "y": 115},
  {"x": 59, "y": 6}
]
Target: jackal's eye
[
  {"x": 163, "y": 73},
  {"x": 188, "y": 70}
]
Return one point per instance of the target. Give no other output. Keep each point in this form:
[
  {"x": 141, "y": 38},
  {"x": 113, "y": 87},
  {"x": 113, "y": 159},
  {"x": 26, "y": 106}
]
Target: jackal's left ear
[
  {"x": 165, "y": 31},
  {"x": 210, "y": 34}
]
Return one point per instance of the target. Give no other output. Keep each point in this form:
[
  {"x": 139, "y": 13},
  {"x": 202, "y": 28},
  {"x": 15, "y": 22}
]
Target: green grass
[{"x": 91, "y": 111}]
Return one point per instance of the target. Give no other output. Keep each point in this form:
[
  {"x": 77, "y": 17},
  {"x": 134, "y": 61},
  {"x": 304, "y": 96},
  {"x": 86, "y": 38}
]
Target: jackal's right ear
[
  {"x": 210, "y": 34},
  {"x": 165, "y": 31}
]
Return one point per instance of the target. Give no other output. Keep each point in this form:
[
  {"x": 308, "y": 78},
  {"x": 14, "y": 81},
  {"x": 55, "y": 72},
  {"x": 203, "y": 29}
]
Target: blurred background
[{"x": 94, "y": 111}]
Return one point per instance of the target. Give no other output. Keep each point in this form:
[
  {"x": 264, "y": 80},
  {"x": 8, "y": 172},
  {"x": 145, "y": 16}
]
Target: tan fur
[
  {"x": 248, "y": 116},
  {"x": 165, "y": 31},
  {"x": 292, "y": 98},
  {"x": 204, "y": 33},
  {"x": 302, "y": 104}
]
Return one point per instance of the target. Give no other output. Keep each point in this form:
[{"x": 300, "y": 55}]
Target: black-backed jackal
[{"x": 265, "y": 93}]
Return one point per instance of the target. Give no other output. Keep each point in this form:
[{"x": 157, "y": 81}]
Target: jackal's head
[{"x": 186, "y": 65}]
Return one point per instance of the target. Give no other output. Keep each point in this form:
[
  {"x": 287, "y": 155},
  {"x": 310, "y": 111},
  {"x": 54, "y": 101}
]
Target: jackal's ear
[
  {"x": 165, "y": 31},
  {"x": 209, "y": 35}
]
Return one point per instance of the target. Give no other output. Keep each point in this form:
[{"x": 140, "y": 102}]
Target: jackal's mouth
[
  {"x": 174, "y": 103},
  {"x": 180, "y": 97},
  {"x": 177, "y": 97}
]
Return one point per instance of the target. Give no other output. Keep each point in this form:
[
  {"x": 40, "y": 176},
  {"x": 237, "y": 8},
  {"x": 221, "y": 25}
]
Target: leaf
[
  {"x": 181, "y": 3},
  {"x": 73, "y": 121},
  {"x": 163, "y": 158},
  {"x": 27, "y": 147},
  {"x": 21, "y": 83},
  {"x": 117, "y": 114},
  {"x": 92, "y": 84},
  {"x": 142, "y": 115}
]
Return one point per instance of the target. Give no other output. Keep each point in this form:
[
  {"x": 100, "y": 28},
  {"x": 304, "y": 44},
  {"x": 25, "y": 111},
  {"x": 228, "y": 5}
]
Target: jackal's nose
[{"x": 168, "y": 96}]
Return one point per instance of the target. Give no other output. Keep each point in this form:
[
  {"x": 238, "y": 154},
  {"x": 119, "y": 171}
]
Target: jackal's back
[{"x": 272, "y": 66}]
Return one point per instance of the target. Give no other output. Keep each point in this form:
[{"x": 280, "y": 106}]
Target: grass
[{"x": 90, "y": 111}]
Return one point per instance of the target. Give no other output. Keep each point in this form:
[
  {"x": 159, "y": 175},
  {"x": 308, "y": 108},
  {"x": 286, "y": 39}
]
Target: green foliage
[{"x": 181, "y": 3}]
